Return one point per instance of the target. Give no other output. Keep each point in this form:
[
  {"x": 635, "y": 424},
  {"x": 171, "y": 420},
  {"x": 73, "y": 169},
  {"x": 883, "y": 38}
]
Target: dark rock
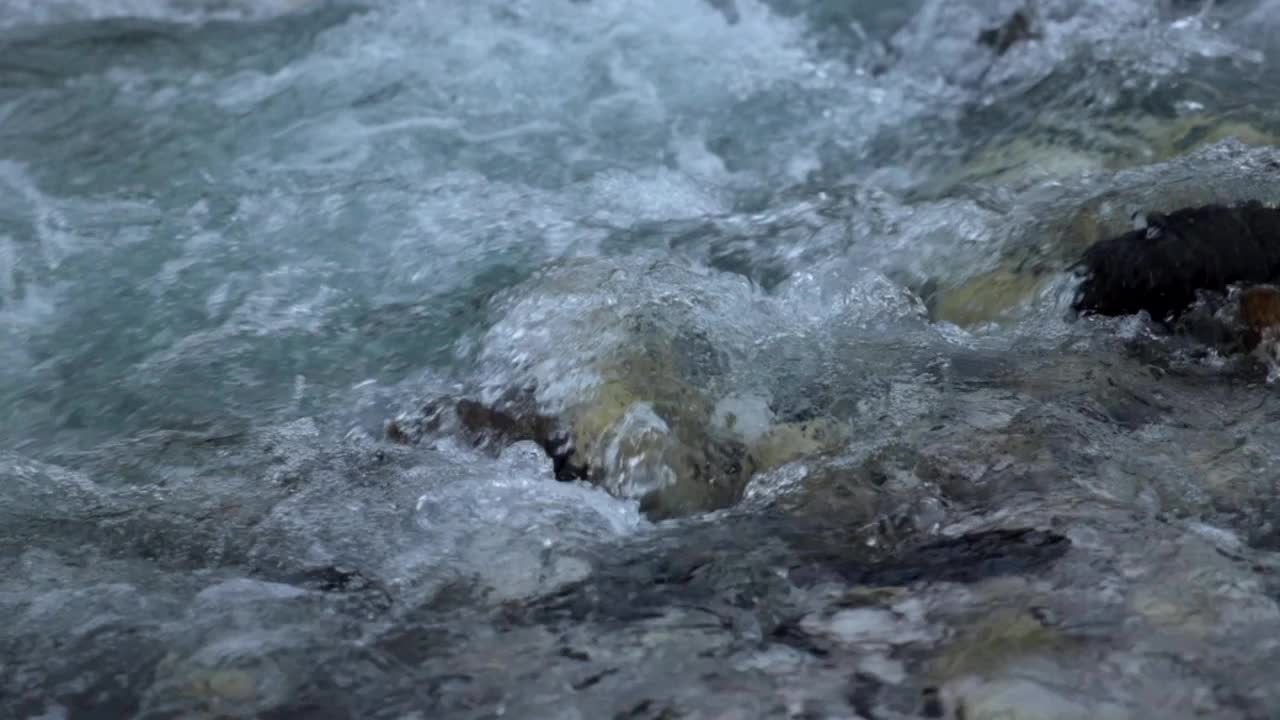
[
  {"x": 336, "y": 578},
  {"x": 359, "y": 594},
  {"x": 710, "y": 467},
  {"x": 1018, "y": 28},
  {"x": 493, "y": 427},
  {"x": 789, "y": 634},
  {"x": 863, "y": 691},
  {"x": 726, "y": 570},
  {"x": 965, "y": 559},
  {"x": 594, "y": 679},
  {"x": 931, "y": 700},
  {"x": 976, "y": 556},
  {"x": 648, "y": 710},
  {"x": 484, "y": 424},
  {"x": 572, "y": 654},
  {"x": 1161, "y": 268},
  {"x": 1267, "y": 539},
  {"x": 318, "y": 708},
  {"x": 1208, "y": 326},
  {"x": 727, "y": 8}
]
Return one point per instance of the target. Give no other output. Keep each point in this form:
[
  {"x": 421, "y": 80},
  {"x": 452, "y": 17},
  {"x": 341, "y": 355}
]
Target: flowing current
[{"x": 291, "y": 289}]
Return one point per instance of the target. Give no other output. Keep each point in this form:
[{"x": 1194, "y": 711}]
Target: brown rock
[{"x": 1260, "y": 307}]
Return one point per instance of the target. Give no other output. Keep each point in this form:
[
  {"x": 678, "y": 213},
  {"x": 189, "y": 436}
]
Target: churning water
[{"x": 798, "y": 269}]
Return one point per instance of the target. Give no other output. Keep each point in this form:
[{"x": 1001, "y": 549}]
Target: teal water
[{"x": 202, "y": 215}]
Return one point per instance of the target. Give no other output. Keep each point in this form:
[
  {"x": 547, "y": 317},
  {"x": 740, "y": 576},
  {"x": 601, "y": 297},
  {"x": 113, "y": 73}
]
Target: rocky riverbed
[{"x": 583, "y": 360}]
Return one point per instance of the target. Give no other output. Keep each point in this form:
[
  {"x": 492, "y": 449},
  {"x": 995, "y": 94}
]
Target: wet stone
[
  {"x": 1025, "y": 700},
  {"x": 632, "y": 448},
  {"x": 992, "y": 296},
  {"x": 966, "y": 559},
  {"x": 1159, "y": 268},
  {"x": 1260, "y": 307},
  {"x": 337, "y": 578},
  {"x": 647, "y": 587},
  {"x": 998, "y": 641}
]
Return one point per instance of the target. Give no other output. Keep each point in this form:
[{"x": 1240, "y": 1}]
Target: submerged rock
[
  {"x": 1053, "y": 148},
  {"x": 988, "y": 297},
  {"x": 638, "y": 389},
  {"x": 485, "y": 426},
  {"x": 1019, "y": 699},
  {"x": 626, "y": 445}
]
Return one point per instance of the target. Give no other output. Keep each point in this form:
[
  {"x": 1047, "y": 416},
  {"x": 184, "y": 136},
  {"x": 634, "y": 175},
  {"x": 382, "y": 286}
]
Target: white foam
[
  {"x": 658, "y": 195},
  {"x": 52, "y": 229},
  {"x": 513, "y": 526},
  {"x": 746, "y": 415},
  {"x": 244, "y": 590}
]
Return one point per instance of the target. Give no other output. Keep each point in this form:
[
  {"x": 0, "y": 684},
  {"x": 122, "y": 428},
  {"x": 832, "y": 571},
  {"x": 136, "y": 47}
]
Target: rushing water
[{"x": 796, "y": 269}]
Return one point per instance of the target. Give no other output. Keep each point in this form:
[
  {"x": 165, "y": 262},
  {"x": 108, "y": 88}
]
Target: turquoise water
[{"x": 203, "y": 215}]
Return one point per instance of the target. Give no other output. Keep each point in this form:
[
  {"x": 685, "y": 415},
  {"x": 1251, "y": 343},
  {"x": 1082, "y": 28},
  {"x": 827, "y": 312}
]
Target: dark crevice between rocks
[
  {"x": 790, "y": 634},
  {"x": 593, "y": 679},
  {"x": 710, "y": 567},
  {"x": 650, "y": 710},
  {"x": 864, "y": 688},
  {"x": 931, "y": 703},
  {"x": 494, "y": 427},
  {"x": 964, "y": 559},
  {"x": 1018, "y": 28}
]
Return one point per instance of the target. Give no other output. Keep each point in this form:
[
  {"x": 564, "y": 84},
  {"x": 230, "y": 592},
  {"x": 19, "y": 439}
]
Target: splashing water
[{"x": 798, "y": 270}]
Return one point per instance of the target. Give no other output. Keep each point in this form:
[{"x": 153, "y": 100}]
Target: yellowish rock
[
  {"x": 786, "y": 442},
  {"x": 1051, "y": 149},
  {"x": 1163, "y": 612},
  {"x": 1021, "y": 160},
  {"x": 1021, "y": 699},
  {"x": 232, "y": 685},
  {"x": 1193, "y": 132},
  {"x": 219, "y": 686},
  {"x": 989, "y": 297},
  {"x": 1002, "y": 639}
]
